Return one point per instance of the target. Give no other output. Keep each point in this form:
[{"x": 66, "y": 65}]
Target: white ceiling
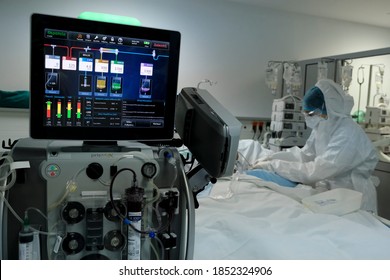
[{"x": 374, "y": 12}]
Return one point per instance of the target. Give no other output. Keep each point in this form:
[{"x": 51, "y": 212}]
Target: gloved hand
[{"x": 262, "y": 164}]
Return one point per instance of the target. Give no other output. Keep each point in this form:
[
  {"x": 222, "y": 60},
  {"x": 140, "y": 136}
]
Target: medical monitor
[
  {"x": 94, "y": 80},
  {"x": 209, "y": 131}
]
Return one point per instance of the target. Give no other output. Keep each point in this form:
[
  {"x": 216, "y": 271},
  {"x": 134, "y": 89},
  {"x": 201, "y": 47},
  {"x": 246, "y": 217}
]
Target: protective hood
[
  {"x": 337, "y": 102},
  {"x": 337, "y": 154}
]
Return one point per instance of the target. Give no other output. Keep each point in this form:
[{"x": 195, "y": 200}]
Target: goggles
[{"x": 316, "y": 112}]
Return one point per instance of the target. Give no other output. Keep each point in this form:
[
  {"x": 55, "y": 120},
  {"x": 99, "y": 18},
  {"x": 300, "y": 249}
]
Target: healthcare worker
[{"x": 338, "y": 153}]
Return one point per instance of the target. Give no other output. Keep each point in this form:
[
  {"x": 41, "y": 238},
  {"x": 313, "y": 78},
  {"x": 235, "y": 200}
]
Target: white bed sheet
[{"x": 259, "y": 223}]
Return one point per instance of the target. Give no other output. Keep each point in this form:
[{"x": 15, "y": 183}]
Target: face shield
[{"x": 316, "y": 112}]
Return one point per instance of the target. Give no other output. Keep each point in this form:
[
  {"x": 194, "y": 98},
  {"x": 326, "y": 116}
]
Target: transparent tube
[{"x": 8, "y": 175}]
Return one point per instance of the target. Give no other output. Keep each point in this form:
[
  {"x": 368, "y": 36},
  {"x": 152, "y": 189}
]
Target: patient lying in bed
[
  {"x": 245, "y": 217},
  {"x": 259, "y": 214},
  {"x": 286, "y": 169},
  {"x": 337, "y": 154},
  {"x": 256, "y": 222}
]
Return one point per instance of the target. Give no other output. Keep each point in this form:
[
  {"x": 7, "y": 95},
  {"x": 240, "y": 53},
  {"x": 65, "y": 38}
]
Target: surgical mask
[{"x": 313, "y": 121}]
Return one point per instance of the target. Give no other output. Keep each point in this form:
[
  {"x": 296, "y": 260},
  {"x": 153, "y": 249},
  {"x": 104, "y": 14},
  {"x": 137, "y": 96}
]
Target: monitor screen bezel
[{"x": 38, "y": 130}]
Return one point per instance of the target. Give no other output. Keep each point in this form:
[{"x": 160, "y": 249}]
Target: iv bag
[
  {"x": 322, "y": 72},
  {"x": 271, "y": 77},
  {"x": 379, "y": 78},
  {"x": 378, "y": 82},
  {"x": 288, "y": 73},
  {"x": 292, "y": 77},
  {"x": 296, "y": 77},
  {"x": 346, "y": 75}
]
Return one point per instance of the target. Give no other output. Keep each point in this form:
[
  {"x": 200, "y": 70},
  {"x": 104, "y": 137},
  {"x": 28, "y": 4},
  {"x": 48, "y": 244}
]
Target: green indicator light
[{"x": 110, "y": 18}]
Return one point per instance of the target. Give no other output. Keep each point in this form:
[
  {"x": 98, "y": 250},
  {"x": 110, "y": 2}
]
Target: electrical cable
[{"x": 112, "y": 185}]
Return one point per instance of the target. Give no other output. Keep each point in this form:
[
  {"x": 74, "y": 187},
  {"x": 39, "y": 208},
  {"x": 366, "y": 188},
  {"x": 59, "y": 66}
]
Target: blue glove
[{"x": 271, "y": 177}]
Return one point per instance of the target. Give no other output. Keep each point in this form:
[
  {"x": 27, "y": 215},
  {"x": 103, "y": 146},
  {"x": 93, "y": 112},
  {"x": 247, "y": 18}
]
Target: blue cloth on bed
[{"x": 271, "y": 177}]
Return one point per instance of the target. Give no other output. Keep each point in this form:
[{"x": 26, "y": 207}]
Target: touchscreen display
[{"x": 95, "y": 80}]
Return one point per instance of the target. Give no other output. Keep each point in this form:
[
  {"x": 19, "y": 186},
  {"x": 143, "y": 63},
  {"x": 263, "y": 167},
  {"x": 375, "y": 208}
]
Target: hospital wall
[{"x": 222, "y": 41}]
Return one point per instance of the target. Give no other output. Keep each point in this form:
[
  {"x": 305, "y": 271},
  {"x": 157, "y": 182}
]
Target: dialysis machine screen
[{"x": 102, "y": 81}]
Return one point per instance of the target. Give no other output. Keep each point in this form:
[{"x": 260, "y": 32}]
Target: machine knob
[{"x": 94, "y": 170}]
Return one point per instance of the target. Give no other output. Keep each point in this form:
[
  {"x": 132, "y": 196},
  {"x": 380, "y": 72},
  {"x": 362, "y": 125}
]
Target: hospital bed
[{"x": 244, "y": 217}]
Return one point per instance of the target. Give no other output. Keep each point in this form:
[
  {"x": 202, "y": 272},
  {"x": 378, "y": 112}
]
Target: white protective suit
[{"x": 337, "y": 153}]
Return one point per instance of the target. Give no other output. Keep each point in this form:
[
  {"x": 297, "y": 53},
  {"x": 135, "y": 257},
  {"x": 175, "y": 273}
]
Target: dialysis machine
[
  {"x": 101, "y": 177},
  {"x": 125, "y": 200},
  {"x": 98, "y": 179},
  {"x": 128, "y": 201}
]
